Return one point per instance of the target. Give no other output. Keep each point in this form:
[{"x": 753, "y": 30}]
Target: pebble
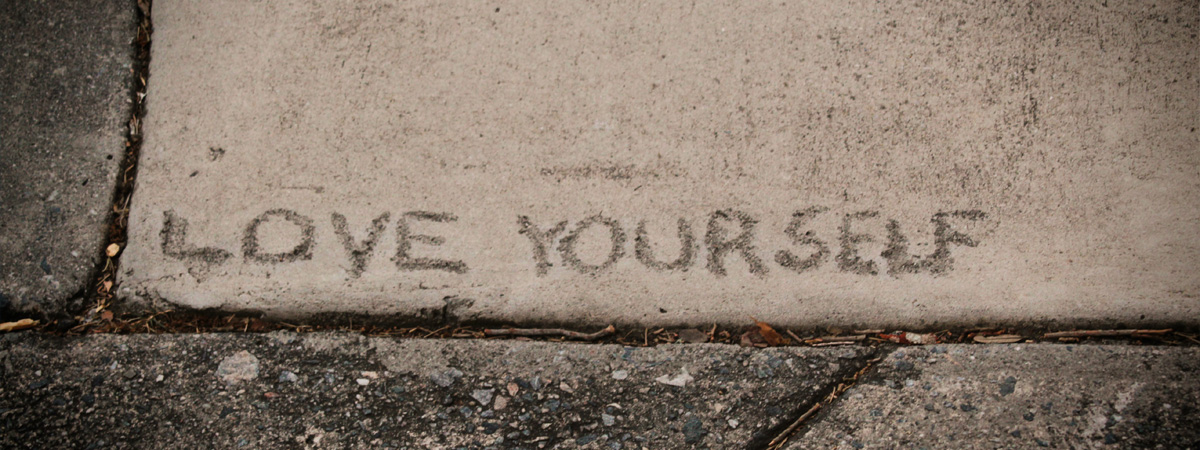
[
  {"x": 362, "y": 381},
  {"x": 241, "y": 366},
  {"x": 608, "y": 420},
  {"x": 693, "y": 431},
  {"x": 620, "y": 374},
  {"x": 733, "y": 423},
  {"x": 1008, "y": 386},
  {"x": 501, "y": 403},
  {"x": 680, "y": 380},
  {"x": 483, "y": 396},
  {"x": 39, "y": 384},
  {"x": 693, "y": 336},
  {"x": 445, "y": 378},
  {"x": 287, "y": 377}
]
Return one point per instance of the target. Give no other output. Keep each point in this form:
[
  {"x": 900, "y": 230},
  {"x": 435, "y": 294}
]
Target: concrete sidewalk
[
  {"x": 820, "y": 163},
  {"x": 318, "y": 390},
  {"x": 66, "y": 75},
  {"x": 813, "y": 164}
]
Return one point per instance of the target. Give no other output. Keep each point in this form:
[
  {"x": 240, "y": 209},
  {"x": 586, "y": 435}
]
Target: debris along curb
[
  {"x": 100, "y": 297},
  {"x": 758, "y": 334}
]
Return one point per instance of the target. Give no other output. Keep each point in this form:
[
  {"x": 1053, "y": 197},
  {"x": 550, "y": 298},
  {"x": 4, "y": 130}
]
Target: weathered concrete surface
[
  {"x": 833, "y": 162},
  {"x": 64, "y": 93},
  {"x": 346, "y": 391},
  {"x": 1018, "y": 397}
]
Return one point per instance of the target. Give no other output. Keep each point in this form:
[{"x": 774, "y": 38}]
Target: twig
[
  {"x": 1091, "y": 333},
  {"x": 832, "y": 344},
  {"x": 793, "y": 335},
  {"x": 855, "y": 338},
  {"x": 431, "y": 333},
  {"x": 783, "y": 437},
  {"x": 550, "y": 332}
]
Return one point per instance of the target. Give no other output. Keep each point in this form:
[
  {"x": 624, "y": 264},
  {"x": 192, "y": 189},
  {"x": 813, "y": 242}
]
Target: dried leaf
[
  {"x": 752, "y": 338},
  {"x": 773, "y": 338},
  {"x": 999, "y": 339},
  {"x": 106, "y": 315},
  {"x": 904, "y": 337},
  {"x": 18, "y": 325}
]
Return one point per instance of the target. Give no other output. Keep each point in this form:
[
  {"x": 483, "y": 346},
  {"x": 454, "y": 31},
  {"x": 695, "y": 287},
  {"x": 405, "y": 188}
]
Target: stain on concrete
[
  {"x": 848, "y": 259},
  {"x": 719, "y": 244},
  {"x": 175, "y": 245},
  {"x": 540, "y": 240},
  {"x": 567, "y": 245},
  {"x": 789, "y": 260},
  {"x": 405, "y": 238},
  {"x": 687, "y": 248},
  {"x": 302, "y": 250},
  {"x": 359, "y": 252}
]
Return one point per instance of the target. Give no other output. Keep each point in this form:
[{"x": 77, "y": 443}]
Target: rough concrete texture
[
  {"x": 286, "y": 390},
  {"x": 64, "y": 101},
  {"x": 1017, "y": 397},
  {"x": 813, "y": 162}
]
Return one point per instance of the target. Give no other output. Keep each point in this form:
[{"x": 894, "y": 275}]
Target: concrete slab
[
  {"x": 815, "y": 163},
  {"x": 1018, "y": 397},
  {"x": 64, "y": 102},
  {"x": 345, "y": 391}
]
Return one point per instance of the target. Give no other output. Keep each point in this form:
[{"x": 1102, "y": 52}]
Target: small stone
[
  {"x": 129, "y": 374},
  {"x": 585, "y": 440},
  {"x": 158, "y": 379},
  {"x": 39, "y": 384},
  {"x": 241, "y": 366},
  {"x": 501, "y": 403},
  {"x": 566, "y": 387},
  {"x": 362, "y": 381},
  {"x": 693, "y": 431},
  {"x": 680, "y": 380},
  {"x": 287, "y": 377},
  {"x": 733, "y": 423},
  {"x": 112, "y": 250},
  {"x": 536, "y": 383},
  {"x": 483, "y": 396},
  {"x": 513, "y": 389},
  {"x": 445, "y": 378},
  {"x": 1008, "y": 386},
  {"x": 693, "y": 336},
  {"x": 620, "y": 374},
  {"x": 608, "y": 420}
]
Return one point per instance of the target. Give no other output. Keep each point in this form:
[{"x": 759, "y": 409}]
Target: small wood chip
[
  {"x": 1089, "y": 333},
  {"x": 550, "y": 332},
  {"x": 18, "y": 325},
  {"x": 998, "y": 339}
]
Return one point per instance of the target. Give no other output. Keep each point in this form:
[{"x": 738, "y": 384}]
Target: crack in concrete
[
  {"x": 104, "y": 277},
  {"x": 777, "y": 437}
]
